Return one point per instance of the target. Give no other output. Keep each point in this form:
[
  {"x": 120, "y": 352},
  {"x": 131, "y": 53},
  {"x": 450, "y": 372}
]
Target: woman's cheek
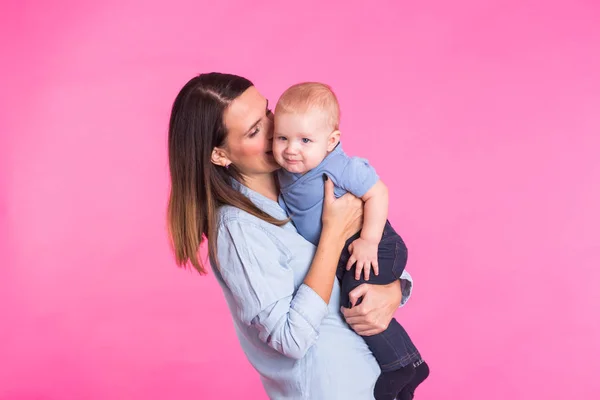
[{"x": 251, "y": 148}]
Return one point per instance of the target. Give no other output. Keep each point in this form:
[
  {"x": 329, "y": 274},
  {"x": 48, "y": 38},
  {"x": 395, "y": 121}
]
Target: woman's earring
[{"x": 227, "y": 165}]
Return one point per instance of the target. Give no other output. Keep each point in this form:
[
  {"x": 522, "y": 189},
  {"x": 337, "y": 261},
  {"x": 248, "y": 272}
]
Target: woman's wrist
[
  {"x": 395, "y": 291},
  {"x": 321, "y": 275},
  {"x": 332, "y": 238}
]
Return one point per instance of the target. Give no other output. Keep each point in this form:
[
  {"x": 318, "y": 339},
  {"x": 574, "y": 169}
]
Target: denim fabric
[{"x": 392, "y": 348}]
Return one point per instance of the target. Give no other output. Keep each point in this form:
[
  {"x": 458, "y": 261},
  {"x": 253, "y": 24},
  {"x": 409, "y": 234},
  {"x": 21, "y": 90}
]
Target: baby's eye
[
  {"x": 282, "y": 138},
  {"x": 305, "y": 140}
]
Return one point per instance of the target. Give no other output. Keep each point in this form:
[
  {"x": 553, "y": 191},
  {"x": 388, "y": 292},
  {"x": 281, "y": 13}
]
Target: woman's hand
[
  {"x": 341, "y": 217},
  {"x": 374, "y": 313}
]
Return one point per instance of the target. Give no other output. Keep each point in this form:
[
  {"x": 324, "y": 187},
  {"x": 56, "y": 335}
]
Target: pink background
[{"x": 482, "y": 117}]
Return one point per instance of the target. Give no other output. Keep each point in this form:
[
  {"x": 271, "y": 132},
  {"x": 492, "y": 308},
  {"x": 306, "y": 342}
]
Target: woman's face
[{"x": 248, "y": 145}]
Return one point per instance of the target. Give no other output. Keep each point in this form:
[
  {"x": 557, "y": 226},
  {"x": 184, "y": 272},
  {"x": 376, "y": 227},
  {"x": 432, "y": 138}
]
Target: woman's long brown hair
[{"x": 199, "y": 187}]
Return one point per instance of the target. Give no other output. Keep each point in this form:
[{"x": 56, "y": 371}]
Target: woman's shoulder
[
  {"x": 233, "y": 218},
  {"x": 233, "y": 215},
  {"x": 237, "y": 225},
  {"x": 227, "y": 213}
]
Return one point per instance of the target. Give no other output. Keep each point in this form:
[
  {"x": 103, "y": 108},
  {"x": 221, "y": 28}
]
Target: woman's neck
[{"x": 265, "y": 184}]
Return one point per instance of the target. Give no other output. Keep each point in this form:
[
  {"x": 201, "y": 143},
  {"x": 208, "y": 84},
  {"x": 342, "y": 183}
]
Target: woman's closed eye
[
  {"x": 259, "y": 126},
  {"x": 255, "y": 131}
]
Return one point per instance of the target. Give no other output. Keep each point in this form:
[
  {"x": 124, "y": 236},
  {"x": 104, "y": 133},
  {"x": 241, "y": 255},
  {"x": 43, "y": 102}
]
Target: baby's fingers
[
  {"x": 367, "y": 270},
  {"x": 359, "y": 269},
  {"x": 375, "y": 267},
  {"x": 350, "y": 263}
]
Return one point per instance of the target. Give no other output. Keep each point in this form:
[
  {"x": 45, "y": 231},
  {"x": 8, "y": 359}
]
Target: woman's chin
[{"x": 272, "y": 163}]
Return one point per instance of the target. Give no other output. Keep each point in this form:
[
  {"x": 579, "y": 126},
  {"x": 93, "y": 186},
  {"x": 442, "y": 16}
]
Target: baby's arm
[
  {"x": 364, "y": 250},
  {"x": 376, "y": 212}
]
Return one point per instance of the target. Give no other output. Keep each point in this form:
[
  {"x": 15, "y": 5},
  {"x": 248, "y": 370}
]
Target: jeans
[{"x": 392, "y": 348}]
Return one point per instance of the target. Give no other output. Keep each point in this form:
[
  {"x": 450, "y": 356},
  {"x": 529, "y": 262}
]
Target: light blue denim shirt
[{"x": 301, "y": 346}]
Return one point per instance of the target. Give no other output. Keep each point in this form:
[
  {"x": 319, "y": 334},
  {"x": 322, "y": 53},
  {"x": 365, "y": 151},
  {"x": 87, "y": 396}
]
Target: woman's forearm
[{"x": 321, "y": 274}]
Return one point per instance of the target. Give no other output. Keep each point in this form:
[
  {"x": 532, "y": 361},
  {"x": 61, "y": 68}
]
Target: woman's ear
[
  {"x": 334, "y": 139},
  {"x": 219, "y": 157}
]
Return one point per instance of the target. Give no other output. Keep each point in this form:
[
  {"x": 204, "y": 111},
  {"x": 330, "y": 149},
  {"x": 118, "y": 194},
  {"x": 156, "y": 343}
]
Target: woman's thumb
[
  {"x": 329, "y": 196},
  {"x": 357, "y": 293}
]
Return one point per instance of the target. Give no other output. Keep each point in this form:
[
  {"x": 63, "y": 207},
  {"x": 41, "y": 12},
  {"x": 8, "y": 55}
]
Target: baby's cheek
[
  {"x": 277, "y": 155},
  {"x": 315, "y": 158}
]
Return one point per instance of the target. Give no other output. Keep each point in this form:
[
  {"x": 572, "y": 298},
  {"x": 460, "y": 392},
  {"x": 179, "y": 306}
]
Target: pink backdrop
[{"x": 482, "y": 117}]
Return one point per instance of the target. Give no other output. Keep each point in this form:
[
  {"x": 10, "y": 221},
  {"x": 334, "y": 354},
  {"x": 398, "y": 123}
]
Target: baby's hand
[{"x": 364, "y": 254}]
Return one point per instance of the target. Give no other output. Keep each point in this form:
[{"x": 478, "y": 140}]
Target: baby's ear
[{"x": 334, "y": 139}]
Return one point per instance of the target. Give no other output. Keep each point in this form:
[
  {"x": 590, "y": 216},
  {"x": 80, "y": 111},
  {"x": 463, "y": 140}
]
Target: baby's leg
[
  {"x": 392, "y": 348},
  {"x": 391, "y": 257},
  {"x": 421, "y": 373}
]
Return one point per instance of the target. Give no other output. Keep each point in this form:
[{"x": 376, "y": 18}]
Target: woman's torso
[{"x": 338, "y": 366}]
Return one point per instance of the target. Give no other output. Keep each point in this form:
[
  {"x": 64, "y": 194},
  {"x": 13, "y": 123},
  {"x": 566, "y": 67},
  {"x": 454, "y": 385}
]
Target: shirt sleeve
[
  {"x": 358, "y": 177},
  {"x": 406, "y": 283},
  {"x": 254, "y": 265}
]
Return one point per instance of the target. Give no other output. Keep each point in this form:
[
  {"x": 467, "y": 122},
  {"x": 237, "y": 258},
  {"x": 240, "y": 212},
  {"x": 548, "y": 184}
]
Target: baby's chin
[
  {"x": 282, "y": 164},
  {"x": 295, "y": 169}
]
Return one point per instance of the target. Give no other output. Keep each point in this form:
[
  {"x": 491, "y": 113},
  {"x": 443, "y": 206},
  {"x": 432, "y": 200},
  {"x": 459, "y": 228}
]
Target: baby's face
[{"x": 301, "y": 140}]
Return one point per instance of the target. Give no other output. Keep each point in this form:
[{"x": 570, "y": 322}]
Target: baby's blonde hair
[{"x": 311, "y": 96}]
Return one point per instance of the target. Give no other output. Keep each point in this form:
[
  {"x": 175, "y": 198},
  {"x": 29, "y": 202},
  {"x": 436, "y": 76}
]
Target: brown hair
[
  {"x": 199, "y": 187},
  {"x": 311, "y": 96}
]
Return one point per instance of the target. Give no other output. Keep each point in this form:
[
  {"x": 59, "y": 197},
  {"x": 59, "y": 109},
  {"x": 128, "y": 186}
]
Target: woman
[{"x": 281, "y": 290}]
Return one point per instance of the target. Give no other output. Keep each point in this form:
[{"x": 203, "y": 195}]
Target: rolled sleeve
[
  {"x": 358, "y": 177},
  {"x": 254, "y": 266},
  {"x": 310, "y": 306},
  {"x": 406, "y": 284}
]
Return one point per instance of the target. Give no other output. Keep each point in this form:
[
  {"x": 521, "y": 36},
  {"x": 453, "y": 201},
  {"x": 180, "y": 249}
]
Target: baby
[{"x": 306, "y": 143}]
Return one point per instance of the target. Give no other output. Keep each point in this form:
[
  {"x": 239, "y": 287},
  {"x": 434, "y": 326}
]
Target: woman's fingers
[
  {"x": 354, "y": 295},
  {"x": 365, "y": 330},
  {"x": 329, "y": 195}
]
